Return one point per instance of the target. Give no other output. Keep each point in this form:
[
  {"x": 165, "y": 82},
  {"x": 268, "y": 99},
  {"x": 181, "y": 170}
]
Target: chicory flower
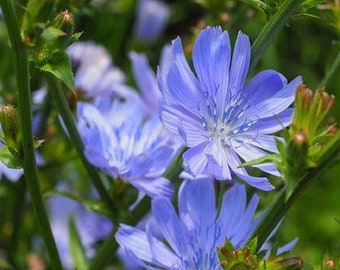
[{"x": 218, "y": 115}]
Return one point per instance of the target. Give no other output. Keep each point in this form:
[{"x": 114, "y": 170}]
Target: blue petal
[
  {"x": 192, "y": 134},
  {"x": 145, "y": 79},
  {"x": 240, "y": 64},
  {"x": 262, "y": 86},
  {"x": 211, "y": 57},
  {"x": 258, "y": 182},
  {"x": 95, "y": 134},
  {"x": 269, "y": 168},
  {"x": 163, "y": 256},
  {"x": 169, "y": 224},
  {"x": 263, "y": 141},
  {"x": 232, "y": 209},
  {"x": 180, "y": 89},
  {"x": 197, "y": 204},
  {"x": 165, "y": 61},
  {"x": 173, "y": 115},
  {"x": 137, "y": 242},
  {"x": 180, "y": 85},
  {"x": 154, "y": 187},
  {"x": 243, "y": 228},
  {"x": 194, "y": 160},
  {"x": 275, "y": 104},
  {"x": 217, "y": 156},
  {"x": 272, "y": 124},
  {"x": 288, "y": 247}
]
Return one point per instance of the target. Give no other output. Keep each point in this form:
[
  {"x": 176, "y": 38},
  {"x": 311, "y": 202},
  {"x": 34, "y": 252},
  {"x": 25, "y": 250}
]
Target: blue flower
[
  {"x": 95, "y": 74},
  {"x": 218, "y": 116},
  {"x": 151, "y": 19},
  {"x": 122, "y": 142},
  {"x": 193, "y": 235},
  {"x": 90, "y": 226},
  {"x": 146, "y": 81}
]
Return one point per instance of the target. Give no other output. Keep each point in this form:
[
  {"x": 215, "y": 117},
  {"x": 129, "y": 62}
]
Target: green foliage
[
  {"x": 76, "y": 246},
  {"x": 247, "y": 258},
  {"x": 36, "y": 15},
  {"x": 60, "y": 66}
]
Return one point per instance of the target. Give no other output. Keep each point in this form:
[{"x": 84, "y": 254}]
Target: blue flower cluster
[{"x": 134, "y": 136}]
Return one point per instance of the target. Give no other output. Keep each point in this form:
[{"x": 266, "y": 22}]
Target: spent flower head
[{"x": 219, "y": 116}]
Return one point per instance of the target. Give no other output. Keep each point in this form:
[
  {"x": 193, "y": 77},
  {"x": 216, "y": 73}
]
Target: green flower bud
[
  {"x": 64, "y": 22},
  {"x": 10, "y": 123},
  {"x": 310, "y": 110},
  {"x": 296, "y": 156}
]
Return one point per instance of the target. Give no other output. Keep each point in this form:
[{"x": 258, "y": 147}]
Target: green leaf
[
  {"x": 65, "y": 194},
  {"x": 312, "y": 2},
  {"x": 252, "y": 245},
  {"x": 77, "y": 249},
  {"x": 7, "y": 158},
  {"x": 93, "y": 205},
  {"x": 36, "y": 16},
  {"x": 259, "y": 5},
  {"x": 99, "y": 207},
  {"x": 51, "y": 33},
  {"x": 261, "y": 160},
  {"x": 75, "y": 37},
  {"x": 60, "y": 66}
]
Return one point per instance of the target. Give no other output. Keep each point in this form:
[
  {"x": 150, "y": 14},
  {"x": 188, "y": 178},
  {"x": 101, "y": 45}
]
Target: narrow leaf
[
  {"x": 261, "y": 160},
  {"x": 77, "y": 249},
  {"x": 313, "y": 2}
]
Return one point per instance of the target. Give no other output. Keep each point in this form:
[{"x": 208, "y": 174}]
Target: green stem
[
  {"x": 331, "y": 71},
  {"x": 104, "y": 254},
  {"x": 271, "y": 29},
  {"x": 18, "y": 209},
  {"x": 281, "y": 205},
  {"x": 24, "y": 101},
  {"x": 125, "y": 36},
  {"x": 65, "y": 113}
]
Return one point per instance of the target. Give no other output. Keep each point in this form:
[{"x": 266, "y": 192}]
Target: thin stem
[
  {"x": 104, "y": 254},
  {"x": 331, "y": 71},
  {"x": 24, "y": 101},
  {"x": 271, "y": 29},
  {"x": 281, "y": 205},
  {"x": 65, "y": 113},
  {"x": 18, "y": 209}
]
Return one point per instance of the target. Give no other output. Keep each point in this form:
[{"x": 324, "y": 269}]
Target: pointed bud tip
[
  {"x": 10, "y": 123},
  {"x": 300, "y": 137}
]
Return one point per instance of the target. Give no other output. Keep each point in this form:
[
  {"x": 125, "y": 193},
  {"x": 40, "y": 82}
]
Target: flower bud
[
  {"x": 310, "y": 110},
  {"x": 64, "y": 21},
  {"x": 10, "y": 123},
  {"x": 297, "y": 149}
]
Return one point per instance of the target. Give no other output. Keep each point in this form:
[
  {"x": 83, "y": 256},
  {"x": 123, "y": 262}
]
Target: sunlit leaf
[{"x": 60, "y": 66}]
